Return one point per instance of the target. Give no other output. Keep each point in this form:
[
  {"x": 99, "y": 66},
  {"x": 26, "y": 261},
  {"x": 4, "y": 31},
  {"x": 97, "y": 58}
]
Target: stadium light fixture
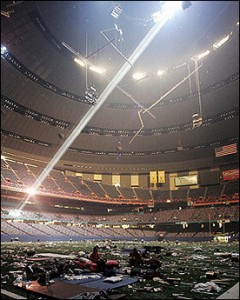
[
  {"x": 218, "y": 44},
  {"x": 160, "y": 72},
  {"x": 116, "y": 12},
  {"x": 201, "y": 55},
  {"x": 167, "y": 11},
  {"x": 156, "y": 16},
  {"x": 197, "y": 120},
  {"x": 91, "y": 95},
  {"x": 3, "y": 50},
  {"x": 139, "y": 75},
  {"x": 79, "y": 62},
  {"x": 97, "y": 69}
]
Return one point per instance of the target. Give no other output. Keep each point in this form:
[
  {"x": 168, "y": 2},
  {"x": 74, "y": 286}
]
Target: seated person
[
  {"x": 135, "y": 258},
  {"x": 96, "y": 257}
]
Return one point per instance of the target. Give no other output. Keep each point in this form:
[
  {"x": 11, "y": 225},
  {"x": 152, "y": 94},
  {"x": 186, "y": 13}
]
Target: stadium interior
[{"x": 120, "y": 122}]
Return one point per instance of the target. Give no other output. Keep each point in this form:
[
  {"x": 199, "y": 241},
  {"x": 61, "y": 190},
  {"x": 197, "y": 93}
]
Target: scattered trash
[
  {"x": 157, "y": 290},
  {"x": 162, "y": 266},
  {"x": 15, "y": 272},
  {"x": 235, "y": 256},
  {"x": 18, "y": 280},
  {"x": 157, "y": 279},
  {"x": 81, "y": 277},
  {"x": 211, "y": 274},
  {"x": 113, "y": 279},
  {"x": 198, "y": 249},
  {"x": 147, "y": 288},
  {"x": 225, "y": 259},
  {"x": 223, "y": 254},
  {"x": 222, "y": 281},
  {"x": 198, "y": 257},
  {"x": 206, "y": 287},
  {"x": 175, "y": 281}
]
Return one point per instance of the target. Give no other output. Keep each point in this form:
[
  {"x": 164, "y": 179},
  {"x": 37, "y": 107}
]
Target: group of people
[{"x": 135, "y": 259}]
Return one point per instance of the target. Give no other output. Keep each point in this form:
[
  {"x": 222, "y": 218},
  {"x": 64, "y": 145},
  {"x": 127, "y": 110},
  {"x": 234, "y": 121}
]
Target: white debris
[{"x": 206, "y": 287}]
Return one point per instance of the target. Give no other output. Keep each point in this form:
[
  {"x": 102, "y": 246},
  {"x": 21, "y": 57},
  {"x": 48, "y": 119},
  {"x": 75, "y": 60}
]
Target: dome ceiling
[{"x": 43, "y": 94}]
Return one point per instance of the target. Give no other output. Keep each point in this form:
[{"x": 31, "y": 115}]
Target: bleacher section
[
  {"x": 63, "y": 182},
  {"x": 80, "y": 186},
  {"x": 127, "y": 193},
  {"x": 96, "y": 189},
  {"x": 21, "y": 176},
  {"x": 70, "y": 207},
  {"x": 8, "y": 175},
  {"x": 143, "y": 194},
  {"x": 179, "y": 195},
  {"x": 230, "y": 212},
  {"x": 26, "y": 178},
  {"x": 231, "y": 189},
  {"x": 213, "y": 192},
  {"x": 111, "y": 191},
  {"x": 196, "y": 194},
  {"x": 161, "y": 196}
]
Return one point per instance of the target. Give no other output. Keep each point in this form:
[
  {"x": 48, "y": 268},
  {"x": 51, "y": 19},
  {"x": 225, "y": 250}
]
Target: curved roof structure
[{"x": 50, "y": 52}]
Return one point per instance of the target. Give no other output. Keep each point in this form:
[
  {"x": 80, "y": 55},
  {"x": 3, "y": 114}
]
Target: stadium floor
[{"x": 183, "y": 260}]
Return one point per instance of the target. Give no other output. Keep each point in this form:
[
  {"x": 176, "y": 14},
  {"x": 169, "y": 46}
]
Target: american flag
[{"x": 226, "y": 150}]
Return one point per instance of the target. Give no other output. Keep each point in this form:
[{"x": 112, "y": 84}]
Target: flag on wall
[
  {"x": 97, "y": 177},
  {"x": 116, "y": 180},
  {"x": 226, "y": 150},
  {"x": 134, "y": 180},
  {"x": 161, "y": 176}
]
